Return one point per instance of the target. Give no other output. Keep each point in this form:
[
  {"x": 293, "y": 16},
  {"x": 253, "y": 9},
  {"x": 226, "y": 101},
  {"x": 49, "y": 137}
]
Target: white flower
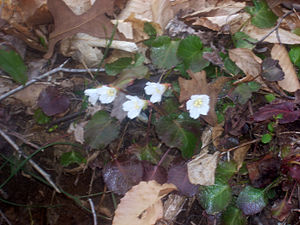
[
  {"x": 133, "y": 106},
  {"x": 104, "y": 93},
  {"x": 198, "y": 105},
  {"x": 156, "y": 90}
]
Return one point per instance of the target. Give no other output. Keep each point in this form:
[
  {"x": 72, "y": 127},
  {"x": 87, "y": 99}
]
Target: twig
[
  {"x": 93, "y": 211},
  {"x": 33, "y": 164},
  {"x": 58, "y": 69},
  {"x": 4, "y": 217},
  {"x": 275, "y": 28},
  {"x": 242, "y": 145}
]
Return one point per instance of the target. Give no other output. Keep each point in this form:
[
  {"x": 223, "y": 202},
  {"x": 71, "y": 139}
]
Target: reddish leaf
[
  {"x": 290, "y": 166},
  {"x": 281, "y": 209},
  {"x": 153, "y": 172},
  {"x": 178, "y": 175},
  {"x": 52, "y": 102},
  {"x": 264, "y": 171},
  {"x": 120, "y": 176},
  {"x": 287, "y": 109}
]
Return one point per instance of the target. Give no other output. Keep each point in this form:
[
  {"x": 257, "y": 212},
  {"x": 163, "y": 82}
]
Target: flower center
[
  {"x": 198, "y": 102},
  {"x": 136, "y": 106},
  {"x": 110, "y": 92}
]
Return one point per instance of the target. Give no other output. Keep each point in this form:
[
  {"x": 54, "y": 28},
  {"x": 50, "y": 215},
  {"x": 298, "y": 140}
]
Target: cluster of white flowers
[{"x": 197, "y": 105}]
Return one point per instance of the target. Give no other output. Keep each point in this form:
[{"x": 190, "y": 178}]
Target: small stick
[
  {"x": 4, "y": 217},
  {"x": 275, "y": 28},
  {"x": 93, "y": 211},
  {"x": 32, "y": 163},
  {"x": 58, "y": 69}
]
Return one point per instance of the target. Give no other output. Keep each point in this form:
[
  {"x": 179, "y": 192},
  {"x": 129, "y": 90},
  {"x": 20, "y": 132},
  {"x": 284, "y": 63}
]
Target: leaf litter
[{"x": 120, "y": 156}]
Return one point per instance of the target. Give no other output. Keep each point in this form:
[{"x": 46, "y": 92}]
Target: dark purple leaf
[
  {"x": 178, "y": 176},
  {"x": 271, "y": 70},
  {"x": 120, "y": 176},
  {"x": 52, "y": 102},
  {"x": 287, "y": 109},
  {"x": 153, "y": 172}
]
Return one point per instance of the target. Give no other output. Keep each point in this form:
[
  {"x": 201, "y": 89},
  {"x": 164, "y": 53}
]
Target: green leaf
[
  {"x": 41, "y": 117},
  {"x": 233, "y": 216},
  {"x": 226, "y": 170},
  {"x": 251, "y": 200},
  {"x": 242, "y": 40},
  {"x": 130, "y": 74},
  {"x": 215, "y": 198},
  {"x": 149, "y": 29},
  {"x": 164, "y": 56},
  {"x": 271, "y": 126},
  {"x": 294, "y": 54},
  {"x": 231, "y": 66},
  {"x": 262, "y": 15},
  {"x": 68, "y": 158},
  {"x": 266, "y": 138},
  {"x": 160, "y": 41},
  {"x": 101, "y": 130},
  {"x": 254, "y": 86},
  {"x": 190, "y": 50},
  {"x": 270, "y": 97},
  {"x": 148, "y": 153},
  {"x": 170, "y": 129},
  {"x": 117, "y": 66},
  {"x": 12, "y": 63}
]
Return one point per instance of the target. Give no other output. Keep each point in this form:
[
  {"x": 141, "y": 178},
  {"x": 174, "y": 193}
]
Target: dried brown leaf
[
  {"x": 290, "y": 82},
  {"x": 246, "y": 60},
  {"x": 201, "y": 170},
  {"x": 91, "y": 22},
  {"x": 286, "y": 37},
  {"x": 142, "y": 204},
  {"x": 216, "y": 133},
  {"x": 239, "y": 155}
]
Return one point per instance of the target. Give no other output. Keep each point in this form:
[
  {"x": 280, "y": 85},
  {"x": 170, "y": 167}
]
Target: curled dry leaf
[
  {"x": 239, "y": 155},
  {"x": 246, "y": 60},
  {"x": 142, "y": 204},
  {"x": 290, "y": 82},
  {"x": 158, "y": 11},
  {"x": 201, "y": 170},
  {"x": 173, "y": 206}
]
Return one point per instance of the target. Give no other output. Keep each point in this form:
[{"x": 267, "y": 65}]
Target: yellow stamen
[
  {"x": 198, "y": 102},
  {"x": 110, "y": 92}
]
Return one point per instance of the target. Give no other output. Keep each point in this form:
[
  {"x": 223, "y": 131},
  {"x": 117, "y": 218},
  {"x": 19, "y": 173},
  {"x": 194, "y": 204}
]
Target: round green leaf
[
  {"x": 101, "y": 130},
  {"x": 215, "y": 198},
  {"x": 266, "y": 138},
  {"x": 190, "y": 51},
  {"x": 164, "y": 57},
  {"x": 251, "y": 200}
]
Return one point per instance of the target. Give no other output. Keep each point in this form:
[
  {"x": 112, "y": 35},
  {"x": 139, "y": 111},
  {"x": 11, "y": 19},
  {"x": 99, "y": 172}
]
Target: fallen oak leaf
[
  {"x": 198, "y": 85},
  {"x": 142, "y": 204},
  {"x": 287, "y": 109},
  {"x": 93, "y": 22}
]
